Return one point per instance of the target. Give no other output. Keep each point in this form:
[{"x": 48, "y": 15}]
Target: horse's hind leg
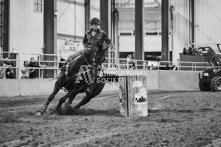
[
  {"x": 89, "y": 95},
  {"x": 71, "y": 98},
  {"x": 84, "y": 101},
  {"x": 57, "y": 87},
  {"x": 63, "y": 99}
]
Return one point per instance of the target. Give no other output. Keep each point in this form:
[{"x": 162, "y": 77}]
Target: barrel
[{"x": 133, "y": 98}]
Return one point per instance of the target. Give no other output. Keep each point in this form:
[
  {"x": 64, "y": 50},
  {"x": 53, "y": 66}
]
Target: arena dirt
[{"x": 183, "y": 119}]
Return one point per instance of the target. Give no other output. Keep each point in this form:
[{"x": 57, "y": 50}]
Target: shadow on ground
[{"x": 68, "y": 110}]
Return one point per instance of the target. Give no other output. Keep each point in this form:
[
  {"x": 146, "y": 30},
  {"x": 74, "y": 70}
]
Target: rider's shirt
[
  {"x": 96, "y": 40},
  {"x": 92, "y": 39}
]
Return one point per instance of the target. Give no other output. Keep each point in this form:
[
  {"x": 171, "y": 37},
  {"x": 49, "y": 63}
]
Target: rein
[{"x": 86, "y": 59}]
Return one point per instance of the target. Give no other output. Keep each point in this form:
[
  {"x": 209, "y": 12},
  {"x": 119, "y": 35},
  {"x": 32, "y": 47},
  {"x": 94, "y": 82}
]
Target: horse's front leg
[{"x": 57, "y": 87}]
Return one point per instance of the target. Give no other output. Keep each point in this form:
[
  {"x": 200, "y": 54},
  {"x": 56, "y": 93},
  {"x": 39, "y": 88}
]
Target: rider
[{"x": 93, "y": 38}]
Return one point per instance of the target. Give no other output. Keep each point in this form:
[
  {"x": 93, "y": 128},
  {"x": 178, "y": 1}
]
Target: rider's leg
[{"x": 73, "y": 56}]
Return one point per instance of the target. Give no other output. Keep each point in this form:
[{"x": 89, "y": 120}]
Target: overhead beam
[
  {"x": 165, "y": 30},
  {"x": 139, "y": 36}
]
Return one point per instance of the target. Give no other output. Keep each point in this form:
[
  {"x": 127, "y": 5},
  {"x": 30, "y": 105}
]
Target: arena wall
[
  {"x": 178, "y": 80},
  {"x": 156, "y": 80}
]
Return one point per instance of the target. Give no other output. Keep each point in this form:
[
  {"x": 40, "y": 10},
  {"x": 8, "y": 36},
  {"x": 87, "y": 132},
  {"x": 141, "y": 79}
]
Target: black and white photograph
[{"x": 110, "y": 73}]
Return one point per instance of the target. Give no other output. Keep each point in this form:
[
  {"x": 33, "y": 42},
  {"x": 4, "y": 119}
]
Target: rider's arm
[{"x": 105, "y": 37}]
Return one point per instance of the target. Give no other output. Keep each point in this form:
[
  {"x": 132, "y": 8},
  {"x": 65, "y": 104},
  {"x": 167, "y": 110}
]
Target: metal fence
[
  {"x": 50, "y": 64},
  {"x": 47, "y": 65},
  {"x": 157, "y": 65}
]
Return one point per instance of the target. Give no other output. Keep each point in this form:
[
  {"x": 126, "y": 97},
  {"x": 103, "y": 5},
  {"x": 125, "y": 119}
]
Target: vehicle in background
[{"x": 210, "y": 79}]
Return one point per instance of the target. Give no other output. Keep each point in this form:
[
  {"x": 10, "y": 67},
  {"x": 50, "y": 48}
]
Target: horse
[{"x": 82, "y": 77}]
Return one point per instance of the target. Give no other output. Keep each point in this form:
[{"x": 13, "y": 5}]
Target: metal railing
[
  {"x": 49, "y": 68},
  {"x": 157, "y": 65}
]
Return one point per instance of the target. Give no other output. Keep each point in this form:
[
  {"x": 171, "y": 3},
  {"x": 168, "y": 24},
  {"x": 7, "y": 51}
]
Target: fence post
[
  {"x": 39, "y": 64},
  {"x": 19, "y": 67},
  {"x": 58, "y": 61}
]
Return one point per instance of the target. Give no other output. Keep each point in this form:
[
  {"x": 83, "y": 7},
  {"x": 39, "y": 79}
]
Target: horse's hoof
[
  {"x": 74, "y": 109},
  {"x": 55, "y": 112},
  {"x": 38, "y": 114},
  {"x": 51, "y": 112}
]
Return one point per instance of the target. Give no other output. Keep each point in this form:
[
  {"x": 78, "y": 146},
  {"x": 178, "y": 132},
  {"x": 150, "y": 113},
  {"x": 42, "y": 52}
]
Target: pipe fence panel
[{"x": 49, "y": 65}]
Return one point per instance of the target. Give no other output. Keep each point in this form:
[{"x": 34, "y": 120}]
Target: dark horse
[{"x": 82, "y": 76}]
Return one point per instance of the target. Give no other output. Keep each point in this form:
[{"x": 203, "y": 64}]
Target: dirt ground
[{"x": 176, "y": 119}]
